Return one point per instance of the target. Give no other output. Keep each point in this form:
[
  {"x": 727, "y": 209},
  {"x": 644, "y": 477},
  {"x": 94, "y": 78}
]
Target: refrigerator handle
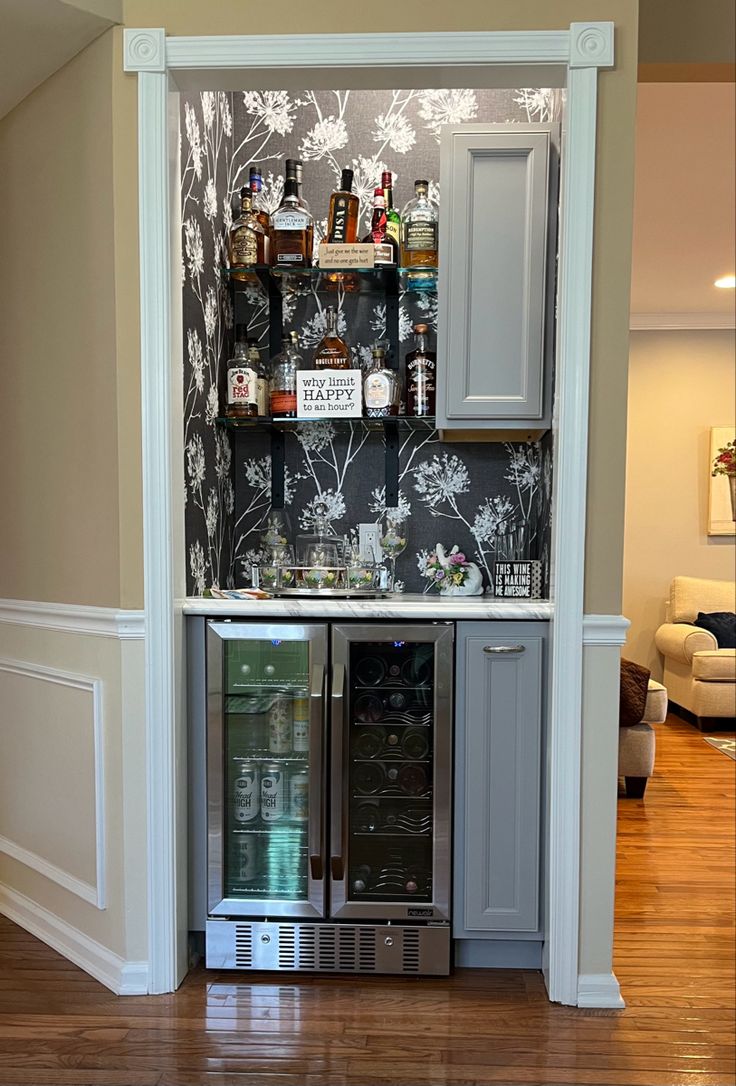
[
  {"x": 316, "y": 732},
  {"x": 337, "y": 866}
]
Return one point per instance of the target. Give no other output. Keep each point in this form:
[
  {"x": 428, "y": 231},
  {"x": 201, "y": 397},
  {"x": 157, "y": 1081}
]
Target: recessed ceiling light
[{"x": 726, "y": 281}]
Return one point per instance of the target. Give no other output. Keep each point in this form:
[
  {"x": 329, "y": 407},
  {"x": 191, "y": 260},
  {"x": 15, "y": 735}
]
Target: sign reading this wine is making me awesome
[{"x": 324, "y": 394}]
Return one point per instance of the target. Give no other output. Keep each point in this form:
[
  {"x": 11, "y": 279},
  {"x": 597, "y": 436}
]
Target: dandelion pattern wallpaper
[{"x": 491, "y": 499}]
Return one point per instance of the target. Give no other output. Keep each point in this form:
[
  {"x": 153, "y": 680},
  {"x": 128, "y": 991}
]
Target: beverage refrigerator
[{"x": 320, "y": 775}]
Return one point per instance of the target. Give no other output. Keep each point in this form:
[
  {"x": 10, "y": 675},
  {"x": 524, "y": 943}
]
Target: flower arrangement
[
  {"x": 725, "y": 460},
  {"x": 448, "y": 571}
]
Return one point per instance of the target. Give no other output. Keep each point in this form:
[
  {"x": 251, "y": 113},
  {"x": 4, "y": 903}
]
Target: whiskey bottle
[
  {"x": 419, "y": 230},
  {"x": 342, "y": 222},
  {"x": 386, "y": 249},
  {"x": 332, "y": 352},
  {"x": 298, "y": 170},
  {"x": 381, "y": 388},
  {"x": 393, "y": 218},
  {"x": 292, "y": 228},
  {"x": 420, "y": 376},
  {"x": 256, "y": 199},
  {"x": 262, "y": 384},
  {"x": 241, "y": 381},
  {"x": 283, "y": 380},
  {"x": 247, "y": 241}
]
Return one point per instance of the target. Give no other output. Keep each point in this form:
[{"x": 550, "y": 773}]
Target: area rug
[{"x": 728, "y": 746}]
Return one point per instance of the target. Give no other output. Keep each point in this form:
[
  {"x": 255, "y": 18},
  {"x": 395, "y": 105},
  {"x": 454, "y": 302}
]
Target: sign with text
[
  {"x": 329, "y": 394},
  {"x": 518, "y": 579},
  {"x": 346, "y": 256}
]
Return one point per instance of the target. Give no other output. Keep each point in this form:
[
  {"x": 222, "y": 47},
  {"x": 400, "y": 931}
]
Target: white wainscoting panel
[
  {"x": 70, "y": 617},
  {"x": 52, "y": 802}
]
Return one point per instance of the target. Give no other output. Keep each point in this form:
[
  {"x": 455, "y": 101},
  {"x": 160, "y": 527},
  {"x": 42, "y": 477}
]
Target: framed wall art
[{"x": 722, "y": 481}]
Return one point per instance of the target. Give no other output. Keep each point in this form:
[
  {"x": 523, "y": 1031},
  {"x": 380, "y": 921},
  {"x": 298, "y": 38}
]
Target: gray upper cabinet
[
  {"x": 498, "y": 778},
  {"x": 498, "y": 217}
]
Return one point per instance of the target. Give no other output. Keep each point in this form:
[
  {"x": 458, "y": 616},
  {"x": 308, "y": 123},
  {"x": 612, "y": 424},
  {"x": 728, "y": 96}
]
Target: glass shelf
[
  {"x": 403, "y": 423},
  {"x": 377, "y": 280}
]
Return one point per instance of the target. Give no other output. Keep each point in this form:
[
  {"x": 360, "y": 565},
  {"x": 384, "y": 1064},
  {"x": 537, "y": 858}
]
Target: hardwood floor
[{"x": 674, "y": 958}]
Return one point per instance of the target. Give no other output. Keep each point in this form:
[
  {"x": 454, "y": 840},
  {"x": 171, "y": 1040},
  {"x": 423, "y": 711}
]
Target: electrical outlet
[{"x": 368, "y": 539}]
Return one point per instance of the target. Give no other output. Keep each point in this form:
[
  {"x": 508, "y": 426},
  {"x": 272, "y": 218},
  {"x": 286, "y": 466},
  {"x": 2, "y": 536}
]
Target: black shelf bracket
[
  {"x": 277, "y": 468},
  {"x": 391, "y": 432}
]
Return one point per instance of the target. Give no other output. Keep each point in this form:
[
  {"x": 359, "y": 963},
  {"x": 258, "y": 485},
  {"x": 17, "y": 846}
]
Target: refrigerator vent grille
[
  {"x": 243, "y": 946},
  {"x": 330, "y": 948},
  {"x": 411, "y": 950}
]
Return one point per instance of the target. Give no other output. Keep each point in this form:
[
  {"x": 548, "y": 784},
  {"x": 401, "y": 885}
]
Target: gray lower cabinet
[
  {"x": 498, "y": 781},
  {"x": 497, "y": 274}
]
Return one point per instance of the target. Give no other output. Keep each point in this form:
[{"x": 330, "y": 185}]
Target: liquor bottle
[
  {"x": 298, "y": 174},
  {"x": 393, "y": 218},
  {"x": 342, "y": 222},
  {"x": 419, "y": 230},
  {"x": 332, "y": 352},
  {"x": 256, "y": 199},
  {"x": 420, "y": 376},
  {"x": 241, "y": 381},
  {"x": 247, "y": 239},
  {"x": 381, "y": 388},
  {"x": 283, "y": 381},
  {"x": 385, "y": 248},
  {"x": 292, "y": 228},
  {"x": 262, "y": 380}
]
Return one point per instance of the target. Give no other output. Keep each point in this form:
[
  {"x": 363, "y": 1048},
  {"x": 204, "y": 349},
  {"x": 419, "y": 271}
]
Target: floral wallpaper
[{"x": 479, "y": 496}]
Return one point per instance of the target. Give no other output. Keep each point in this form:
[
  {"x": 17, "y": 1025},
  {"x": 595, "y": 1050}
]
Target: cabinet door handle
[{"x": 494, "y": 649}]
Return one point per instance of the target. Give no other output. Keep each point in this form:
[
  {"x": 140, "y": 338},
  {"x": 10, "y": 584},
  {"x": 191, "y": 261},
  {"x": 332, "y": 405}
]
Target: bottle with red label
[
  {"x": 385, "y": 247},
  {"x": 242, "y": 391}
]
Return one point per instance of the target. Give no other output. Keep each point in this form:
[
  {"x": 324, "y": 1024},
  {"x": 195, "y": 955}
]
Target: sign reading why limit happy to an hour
[{"x": 324, "y": 394}]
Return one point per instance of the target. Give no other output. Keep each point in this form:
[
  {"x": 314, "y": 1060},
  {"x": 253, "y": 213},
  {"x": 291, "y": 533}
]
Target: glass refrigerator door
[
  {"x": 391, "y": 755},
  {"x": 264, "y": 772}
]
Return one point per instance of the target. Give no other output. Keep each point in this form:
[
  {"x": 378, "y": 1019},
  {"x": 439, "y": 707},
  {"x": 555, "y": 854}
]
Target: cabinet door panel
[
  {"x": 498, "y": 785},
  {"x": 494, "y": 214}
]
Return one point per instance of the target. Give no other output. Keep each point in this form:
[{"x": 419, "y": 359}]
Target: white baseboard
[
  {"x": 599, "y": 990},
  {"x": 120, "y": 976}
]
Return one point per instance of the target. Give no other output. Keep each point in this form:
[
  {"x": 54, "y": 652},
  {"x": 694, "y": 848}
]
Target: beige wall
[{"x": 680, "y": 385}]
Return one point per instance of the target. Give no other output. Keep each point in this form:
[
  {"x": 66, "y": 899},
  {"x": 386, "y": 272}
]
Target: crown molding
[{"x": 681, "y": 322}]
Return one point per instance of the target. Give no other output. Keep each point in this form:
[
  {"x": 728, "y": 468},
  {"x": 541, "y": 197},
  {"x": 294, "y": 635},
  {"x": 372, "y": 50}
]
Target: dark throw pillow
[
  {"x": 722, "y": 624},
  {"x": 633, "y": 688}
]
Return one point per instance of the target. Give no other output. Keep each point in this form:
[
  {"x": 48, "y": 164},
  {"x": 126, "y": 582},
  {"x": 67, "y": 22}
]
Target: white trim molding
[
  {"x": 580, "y": 52},
  {"x": 605, "y": 629},
  {"x": 94, "y": 894},
  {"x": 120, "y": 976},
  {"x": 600, "y": 990},
  {"x": 71, "y": 618},
  {"x": 682, "y": 322}
]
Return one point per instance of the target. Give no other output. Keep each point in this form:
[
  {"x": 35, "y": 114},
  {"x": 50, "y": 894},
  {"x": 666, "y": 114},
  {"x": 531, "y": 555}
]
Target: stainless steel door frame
[
  {"x": 315, "y": 636},
  {"x": 442, "y": 634}
]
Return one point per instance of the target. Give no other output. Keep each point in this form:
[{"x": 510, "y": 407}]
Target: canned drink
[
  {"x": 300, "y": 732},
  {"x": 299, "y": 792},
  {"x": 272, "y": 792},
  {"x": 245, "y": 857},
  {"x": 245, "y": 792},
  {"x": 279, "y": 726}
]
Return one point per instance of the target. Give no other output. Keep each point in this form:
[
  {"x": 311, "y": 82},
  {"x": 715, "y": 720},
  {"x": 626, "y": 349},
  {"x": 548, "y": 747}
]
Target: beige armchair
[{"x": 700, "y": 678}]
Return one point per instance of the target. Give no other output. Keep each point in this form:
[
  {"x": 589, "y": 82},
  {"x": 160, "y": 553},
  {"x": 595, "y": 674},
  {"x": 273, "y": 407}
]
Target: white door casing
[{"x": 159, "y": 61}]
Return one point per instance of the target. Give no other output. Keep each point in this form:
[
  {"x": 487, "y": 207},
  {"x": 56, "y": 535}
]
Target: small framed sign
[
  {"x": 518, "y": 579},
  {"x": 346, "y": 256},
  {"x": 329, "y": 394}
]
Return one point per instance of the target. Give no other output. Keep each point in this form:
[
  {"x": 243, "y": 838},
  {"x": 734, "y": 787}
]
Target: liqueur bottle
[
  {"x": 393, "y": 218},
  {"x": 381, "y": 388},
  {"x": 342, "y": 222},
  {"x": 420, "y": 376},
  {"x": 386, "y": 248},
  {"x": 256, "y": 199},
  {"x": 241, "y": 381},
  {"x": 332, "y": 352},
  {"x": 247, "y": 241},
  {"x": 292, "y": 227},
  {"x": 283, "y": 380},
  {"x": 419, "y": 230}
]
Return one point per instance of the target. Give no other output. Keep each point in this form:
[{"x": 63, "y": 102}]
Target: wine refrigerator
[{"x": 320, "y": 776}]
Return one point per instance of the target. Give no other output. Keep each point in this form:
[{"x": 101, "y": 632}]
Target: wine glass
[{"x": 393, "y": 539}]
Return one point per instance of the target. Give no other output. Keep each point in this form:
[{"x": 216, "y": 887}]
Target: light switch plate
[{"x": 368, "y": 540}]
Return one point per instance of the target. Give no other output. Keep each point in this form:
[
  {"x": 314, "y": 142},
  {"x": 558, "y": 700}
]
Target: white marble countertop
[{"x": 405, "y": 605}]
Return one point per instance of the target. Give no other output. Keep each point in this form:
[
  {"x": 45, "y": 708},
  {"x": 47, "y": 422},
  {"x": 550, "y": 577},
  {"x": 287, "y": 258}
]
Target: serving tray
[{"x": 330, "y": 593}]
